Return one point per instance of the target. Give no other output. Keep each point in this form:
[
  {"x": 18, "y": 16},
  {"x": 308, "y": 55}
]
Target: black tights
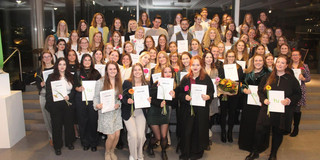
[
  {"x": 262, "y": 138},
  {"x": 160, "y": 133}
]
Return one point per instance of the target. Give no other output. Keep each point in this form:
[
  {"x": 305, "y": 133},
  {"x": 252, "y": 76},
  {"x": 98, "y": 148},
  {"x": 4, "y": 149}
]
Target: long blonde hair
[
  {"x": 131, "y": 79},
  {"x": 251, "y": 66},
  {"x": 58, "y": 28},
  {"x": 157, "y": 68},
  {"x": 139, "y": 28},
  {"x": 46, "y": 46},
  {"x": 206, "y": 39}
]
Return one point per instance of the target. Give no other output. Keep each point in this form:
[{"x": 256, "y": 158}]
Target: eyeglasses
[{"x": 230, "y": 56}]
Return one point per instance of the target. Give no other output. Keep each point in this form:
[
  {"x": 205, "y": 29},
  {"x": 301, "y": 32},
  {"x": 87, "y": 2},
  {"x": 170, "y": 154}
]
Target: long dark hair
[
  {"x": 92, "y": 72},
  {"x": 56, "y": 73},
  {"x": 118, "y": 82},
  {"x": 65, "y": 46},
  {"x": 76, "y": 60},
  {"x": 113, "y": 28},
  {"x": 212, "y": 66},
  {"x": 83, "y": 33}
]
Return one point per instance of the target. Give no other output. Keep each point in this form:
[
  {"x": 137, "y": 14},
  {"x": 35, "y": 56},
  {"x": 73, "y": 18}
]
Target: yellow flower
[
  {"x": 229, "y": 84},
  {"x": 35, "y": 75},
  {"x": 268, "y": 87}
]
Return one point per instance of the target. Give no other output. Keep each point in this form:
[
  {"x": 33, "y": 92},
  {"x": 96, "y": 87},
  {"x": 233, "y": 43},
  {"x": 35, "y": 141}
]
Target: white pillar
[
  {"x": 137, "y": 11},
  {"x": 236, "y": 11},
  {"x": 37, "y": 34}
]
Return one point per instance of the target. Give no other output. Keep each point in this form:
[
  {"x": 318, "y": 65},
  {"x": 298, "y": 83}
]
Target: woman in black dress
[
  {"x": 253, "y": 75},
  {"x": 281, "y": 78},
  {"x": 60, "y": 112},
  {"x": 86, "y": 115},
  {"x": 156, "y": 118},
  {"x": 194, "y": 136}
]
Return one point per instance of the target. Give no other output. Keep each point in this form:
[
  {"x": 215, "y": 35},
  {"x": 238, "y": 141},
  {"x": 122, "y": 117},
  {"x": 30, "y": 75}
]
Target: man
[
  {"x": 204, "y": 14},
  {"x": 156, "y": 30},
  {"x": 184, "y": 34}
]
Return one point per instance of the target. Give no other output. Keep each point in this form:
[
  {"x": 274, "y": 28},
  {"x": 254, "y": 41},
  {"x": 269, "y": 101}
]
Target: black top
[
  {"x": 128, "y": 34},
  {"x": 84, "y": 74}
]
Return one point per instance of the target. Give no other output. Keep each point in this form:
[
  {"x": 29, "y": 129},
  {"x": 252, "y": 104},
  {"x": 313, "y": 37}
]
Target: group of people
[{"x": 133, "y": 57}]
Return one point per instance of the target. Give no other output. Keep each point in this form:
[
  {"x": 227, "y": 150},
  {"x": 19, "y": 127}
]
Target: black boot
[
  {"x": 164, "y": 155},
  {"x": 252, "y": 156},
  {"x": 296, "y": 122},
  {"x": 223, "y": 136},
  {"x": 150, "y": 148},
  {"x": 230, "y": 138}
]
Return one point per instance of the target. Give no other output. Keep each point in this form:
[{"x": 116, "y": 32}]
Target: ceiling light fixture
[{"x": 19, "y": 1}]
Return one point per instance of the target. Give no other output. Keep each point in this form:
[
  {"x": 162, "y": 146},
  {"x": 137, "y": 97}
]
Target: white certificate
[
  {"x": 253, "y": 98},
  {"x": 196, "y": 91},
  {"x": 275, "y": 98},
  {"x": 155, "y": 38},
  {"x": 88, "y": 92},
  {"x": 146, "y": 29},
  {"x": 182, "y": 46},
  {"x": 199, "y": 35},
  {"x": 166, "y": 85},
  {"x": 107, "y": 98},
  {"x": 242, "y": 64},
  {"x": 122, "y": 40},
  {"x": 297, "y": 73},
  {"x": 275, "y": 60},
  {"x": 152, "y": 65},
  {"x": 101, "y": 68},
  {"x": 140, "y": 97},
  {"x": 230, "y": 72},
  {"x": 156, "y": 77},
  {"x": 176, "y": 29},
  {"x": 139, "y": 47},
  {"x": 182, "y": 74},
  {"x": 59, "y": 90},
  {"x": 146, "y": 72},
  {"x": 131, "y": 38},
  {"x": 135, "y": 58},
  {"x": 215, "y": 94},
  {"x": 46, "y": 74}
]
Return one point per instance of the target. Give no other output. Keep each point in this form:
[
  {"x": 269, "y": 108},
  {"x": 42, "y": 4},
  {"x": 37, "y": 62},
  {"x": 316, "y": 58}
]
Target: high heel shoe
[
  {"x": 223, "y": 136},
  {"x": 252, "y": 156},
  {"x": 58, "y": 152}
]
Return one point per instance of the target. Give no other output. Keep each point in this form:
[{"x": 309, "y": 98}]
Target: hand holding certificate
[
  {"x": 197, "y": 90},
  {"x": 88, "y": 93},
  {"x": 253, "y": 98},
  {"x": 156, "y": 77},
  {"x": 59, "y": 91},
  {"x": 46, "y": 74},
  {"x": 107, "y": 98},
  {"x": 141, "y": 96},
  {"x": 275, "y": 98},
  {"x": 166, "y": 85},
  {"x": 231, "y": 72}
]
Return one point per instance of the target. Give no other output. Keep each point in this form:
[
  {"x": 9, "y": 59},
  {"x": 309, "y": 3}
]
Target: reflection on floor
[{"x": 36, "y": 147}]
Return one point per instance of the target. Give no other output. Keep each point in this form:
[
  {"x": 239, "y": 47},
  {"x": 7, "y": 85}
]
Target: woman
[
  {"x": 62, "y": 31},
  {"x": 61, "y": 49},
  {"x": 156, "y": 118},
  {"x": 260, "y": 49},
  {"x": 285, "y": 50},
  {"x": 261, "y": 30},
  {"x": 153, "y": 56},
  {"x": 279, "y": 79},
  {"x": 132, "y": 27},
  {"x": 263, "y": 18},
  {"x": 248, "y": 20},
  {"x": 129, "y": 48},
  {"x": 163, "y": 44},
  {"x": 195, "y": 48},
  {"x": 269, "y": 61},
  {"x": 144, "y": 60},
  {"x": 232, "y": 28},
  {"x": 98, "y": 24},
  {"x": 244, "y": 29},
  {"x": 114, "y": 56},
  {"x": 175, "y": 61},
  {"x": 97, "y": 42},
  {"x": 138, "y": 40},
  {"x": 46, "y": 64},
  {"x": 281, "y": 40},
  {"x": 253, "y": 75},
  {"x": 211, "y": 37},
  {"x": 215, "y": 24},
  {"x": 194, "y": 136},
  {"x": 175, "y": 27},
  {"x": 144, "y": 20},
  {"x": 109, "y": 123},
  {"x": 264, "y": 40},
  {"x": 228, "y": 40},
  {"x": 73, "y": 43},
  {"x": 135, "y": 122},
  {"x": 173, "y": 47},
  {"x": 162, "y": 61},
  {"x": 86, "y": 115},
  {"x": 241, "y": 50},
  {"x": 125, "y": 69},
  {"x": 116, "y": 41},
  {"x": 73, "y": 62},
  {"x": 108, "y": 47},
  {"x": 222, "y": 49},
  {"x": 252, "y": 35},
  {"x": 216, "y": 56},
  {"x": 270, "y": 33},
  {"x": 50, "y": 45},
  {"x": 116, "y": 26},
  {"x": 98, "y": 57},
  {"x": 304, "y": 77},
  {"x": 197, "y": 27},
  {"x": 83, "y": 48},
  {"x": 211, "y": 70},
  {"x": 83, "y": 30},
  {"x": 228, "y": 107},
  {"x": 148, "y": 43},
  {"x": 60, "y": 112}
]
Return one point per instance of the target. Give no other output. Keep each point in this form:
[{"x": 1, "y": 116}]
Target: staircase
[{"x": 310, "y": 114}]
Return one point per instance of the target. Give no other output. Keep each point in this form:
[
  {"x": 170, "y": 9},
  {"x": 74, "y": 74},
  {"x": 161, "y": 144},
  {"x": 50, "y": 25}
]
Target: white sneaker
[{"x": 131, "y": 158}]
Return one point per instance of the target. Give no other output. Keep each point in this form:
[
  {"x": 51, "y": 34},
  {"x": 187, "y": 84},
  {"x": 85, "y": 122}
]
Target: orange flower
[
  {"x": 240, "y": 84},
  {"x": 35, "y": 75},
  {"x": 268, "y": 87},
  {"x": 131, "y": 91}
]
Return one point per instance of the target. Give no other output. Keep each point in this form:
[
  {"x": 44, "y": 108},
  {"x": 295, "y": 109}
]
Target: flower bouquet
[{"x": 227, "y": 87}]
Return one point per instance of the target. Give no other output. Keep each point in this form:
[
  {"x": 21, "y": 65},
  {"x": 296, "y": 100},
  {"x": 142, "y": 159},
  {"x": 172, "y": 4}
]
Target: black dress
[
  {"x": 250, "y": 114},
  {"x": 194, "y": 130}
]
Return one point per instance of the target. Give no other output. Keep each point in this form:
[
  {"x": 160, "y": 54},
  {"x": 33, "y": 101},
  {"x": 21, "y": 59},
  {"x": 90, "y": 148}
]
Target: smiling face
[
  {"x": 71, "y": 57},
  {"x": 86, "y": 62},
  {"x": 284, "y": 50},
  {"x": 112, "y": 71},
  {"x": 51, "y": 41},
  {"x": 62, "y": 26},
  {"x": 221, "y": 48},
  {"x": 262, "y": 28},
  {"x": 174, "y": 58},
  {"x": 252, "y": 33},
  {"x": 114, "y": 56},
  {"x": 83, "y": 26},
  {"x": 281, "y": 64},
  {"x": 258, "y": 62},
  {"x": 167, "y": 72},
  {"x": 178, "y": 18},
  {"x": 198, "y": 20},
  {"x": 264, "y": 39},
  {"x": 62, "y": 66},
  {"x": 126, "y": 61},
  {"x": 263, "y": 16},
  {"x": 231, "y": 57},
  {"x": 295, "y": 56},
  {"x": 215, "y": 52},
  {"x": 97, "y": 38},
  {"x": 260, "y": 50},
  {"x": 61, "y": 46},
  {"x": 128, "y": 48},
  {"x": 185, "y": 59},
  {"x": 117, "y": 24},
  {"x": 240, "y": 46},
  {"x": 145, "y": 59},
  {"x": 74, "y": 37},
  {"x": 212, "y": 35},
  {"x": 228, "y": 35},
  {"x": 98, "y": 56},
  {"x": 245, "y": 38},
  {"x": 153, "y": 54},
  {"x": 162, "y": 58},
  {"x": 84, "y": 44},
  {"x": 194, "y": 45},
  {"x": 149, "y": 42},
  {"x": 269, "y": 61},
  {"x": 137, "y": 71},
  {"x": 244, "y": 28},
  {"x": 99, "y": 19},
  {"x": 140, "y": 33},
  {"x": 184, "y": 25},
  {"x": 281, "y": 41},
  {"x": 173, "y": 47},
  {"x": 162, "y": 41},
  {"x": 195, "y": 66},
  {"x": 47, "y": 57},
  {"x": 208, "y": 59},
  {"x": 133, "y": 25},
  {"x": 116, "y": 37}
]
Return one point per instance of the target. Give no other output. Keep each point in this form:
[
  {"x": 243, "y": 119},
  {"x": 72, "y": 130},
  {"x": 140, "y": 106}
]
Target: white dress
[{"x": 108, "y": 122}]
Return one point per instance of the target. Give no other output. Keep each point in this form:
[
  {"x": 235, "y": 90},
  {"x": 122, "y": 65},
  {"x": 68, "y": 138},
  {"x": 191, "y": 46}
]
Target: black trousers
[
  {"x": 228, "y": 108},
  {"x": 62, "y": 115},
  {"x": 87, "y": 122}
]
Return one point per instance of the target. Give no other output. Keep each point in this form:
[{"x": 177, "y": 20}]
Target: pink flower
[
  {"x": 120, "y": 96},
  {"x": 135, "y": 41},
  {"x": 117, "y": 47},
  {"x": 259, "y": 22},
  {"x": 82, "y": 77},
  {"x": 217, "y": 79},
  {"x": 302, "y": 68},
  {"x": 176, "y": 70},
  {"x": 146, "y": 71},
  {"x": 186, "y": 88}
]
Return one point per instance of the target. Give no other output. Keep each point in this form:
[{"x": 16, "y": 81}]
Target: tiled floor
[{"x": 306, "y": 146}]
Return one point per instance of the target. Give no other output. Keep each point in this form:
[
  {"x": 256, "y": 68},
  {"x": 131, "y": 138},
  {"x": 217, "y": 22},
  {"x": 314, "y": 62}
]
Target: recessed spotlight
[{"x": 270, "y": 11}]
